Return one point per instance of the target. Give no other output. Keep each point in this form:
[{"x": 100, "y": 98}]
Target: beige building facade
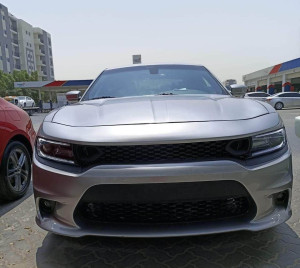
[{"x": 24, "y": 47}]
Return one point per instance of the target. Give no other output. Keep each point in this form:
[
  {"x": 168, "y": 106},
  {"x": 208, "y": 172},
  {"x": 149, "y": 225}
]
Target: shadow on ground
[
  {"x": 277, "y": 247},
  {"x": 6, "y": 206}
]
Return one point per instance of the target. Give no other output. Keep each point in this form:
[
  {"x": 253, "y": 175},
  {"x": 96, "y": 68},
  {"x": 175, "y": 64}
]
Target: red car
[{"x": 17, "y": 137}]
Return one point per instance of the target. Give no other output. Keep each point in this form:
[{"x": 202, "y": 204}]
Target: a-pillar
[{"x": 283, "y": 81}]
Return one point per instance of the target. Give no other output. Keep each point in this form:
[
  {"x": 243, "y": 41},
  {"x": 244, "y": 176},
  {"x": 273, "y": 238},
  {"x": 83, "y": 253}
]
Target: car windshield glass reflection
[{"x": 154, "y": 80}]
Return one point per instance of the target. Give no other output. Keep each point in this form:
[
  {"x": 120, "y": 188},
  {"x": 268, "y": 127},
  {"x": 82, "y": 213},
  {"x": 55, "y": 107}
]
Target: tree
[
  {"x": 24, "y": 76},
  {"x": 7, "y": 83},
  {"x": 34, "y": 76}
]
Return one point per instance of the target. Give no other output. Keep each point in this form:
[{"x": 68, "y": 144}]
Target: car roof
[
  {"x": 279, "y": 93},
  {"x": 249, "y": 93},
  {"x": 286, "y": 92},
  {"x": 154, "y": 64}
]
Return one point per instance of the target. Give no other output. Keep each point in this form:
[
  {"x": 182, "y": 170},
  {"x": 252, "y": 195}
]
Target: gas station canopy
[
  {"x": 54, "y": 86},
  {"x": 58, "y": 85}
]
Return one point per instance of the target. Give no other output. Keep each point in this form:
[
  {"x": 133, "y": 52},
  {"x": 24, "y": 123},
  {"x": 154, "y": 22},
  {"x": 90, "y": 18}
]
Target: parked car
[
  {"x": 284, "y": 100},
  {"x": 24, "y": 101},
  {"x": 10, "y": 99},
  {"x": 161, "y": 150},
  {"x": 261, "y": 96},
  {"x": 17, "y": 139}
]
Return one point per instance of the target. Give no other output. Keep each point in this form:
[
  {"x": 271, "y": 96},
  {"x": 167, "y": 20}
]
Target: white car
[
  {"x": 24, "y": 101},
  {"x": 261, "y": 96},
  {"x": 284, "y": 100}
]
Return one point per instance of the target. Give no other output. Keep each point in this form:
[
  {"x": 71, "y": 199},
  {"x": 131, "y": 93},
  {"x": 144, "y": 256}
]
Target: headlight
[
  {"x": 54, "y": 150},
  {"x": 269, "y": 142}
]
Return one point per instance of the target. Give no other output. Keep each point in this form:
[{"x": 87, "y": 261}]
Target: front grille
[
  {"x": 174, "y": 212},
  {"x": 161, "y": 153},
  {"x": 161, "y": 203}
]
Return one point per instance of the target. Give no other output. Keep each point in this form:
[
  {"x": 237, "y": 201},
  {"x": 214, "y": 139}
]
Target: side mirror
[
  {"x": 297, "y": 126},
  {"x": 238, "y": 90},
  {"x": 73, "y": 96}
]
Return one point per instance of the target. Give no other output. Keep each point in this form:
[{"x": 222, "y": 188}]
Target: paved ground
[{"x": 23, "y": 244}]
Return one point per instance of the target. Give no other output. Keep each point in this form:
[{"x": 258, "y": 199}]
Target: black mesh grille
[
  {"x": 164, "y": 203},
  {"x": 159, "y": 153},
  {"x": 173, "y": 212}
]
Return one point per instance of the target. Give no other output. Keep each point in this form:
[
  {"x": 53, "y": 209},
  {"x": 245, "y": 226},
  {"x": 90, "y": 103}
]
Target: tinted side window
[
  {"x": 253, "y": 95},
  {"x": 295, "y": 95},
  {"x": 263, "y": 95},
  {"x": 285, "y": 95}
]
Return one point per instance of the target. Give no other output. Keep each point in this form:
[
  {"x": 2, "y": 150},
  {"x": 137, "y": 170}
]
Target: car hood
[{"x": 157, "y": 109}]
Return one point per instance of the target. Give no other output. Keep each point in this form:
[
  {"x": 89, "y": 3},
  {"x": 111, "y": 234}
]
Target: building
[
  {"x": 24, "y": 47},
  {"x": 43, "y": 52},
  {"x": 278, "y": 78}
]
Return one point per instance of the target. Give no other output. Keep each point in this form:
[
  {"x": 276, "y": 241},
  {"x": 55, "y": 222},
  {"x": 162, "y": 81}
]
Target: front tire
[
  {"x": 15, "y": 174},
  {"x": 278, "y": 105}
]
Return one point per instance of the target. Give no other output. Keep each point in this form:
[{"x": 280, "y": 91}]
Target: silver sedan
[
  {"x": 260, "y": 96},
  {"x": 284, "y": 100},
  {"x": 161, "y": 150}
]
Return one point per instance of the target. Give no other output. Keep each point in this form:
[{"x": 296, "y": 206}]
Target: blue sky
[{"x": 231, "y": 38}]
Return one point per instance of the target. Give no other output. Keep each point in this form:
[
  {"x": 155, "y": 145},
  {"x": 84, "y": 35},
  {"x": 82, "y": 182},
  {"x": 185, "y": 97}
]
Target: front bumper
[{"x": 262, "y": 182}]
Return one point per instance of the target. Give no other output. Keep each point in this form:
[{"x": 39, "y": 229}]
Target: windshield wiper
[
  {"x": 102, "y": 97},
  {"x": 166, "y": 93}
]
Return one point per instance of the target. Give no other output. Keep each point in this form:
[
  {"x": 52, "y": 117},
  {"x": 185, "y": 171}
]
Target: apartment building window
[{"x": 3, "y": 17}]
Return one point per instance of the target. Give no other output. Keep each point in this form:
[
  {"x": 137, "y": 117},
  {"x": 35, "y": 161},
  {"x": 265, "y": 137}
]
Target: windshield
[
  {"x": 21, "y": 98},
  {"x": 154, "y": 80}
]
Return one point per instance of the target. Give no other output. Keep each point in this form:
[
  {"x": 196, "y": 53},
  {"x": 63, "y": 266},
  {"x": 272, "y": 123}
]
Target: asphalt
[{"x": 23, "y": 244}]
